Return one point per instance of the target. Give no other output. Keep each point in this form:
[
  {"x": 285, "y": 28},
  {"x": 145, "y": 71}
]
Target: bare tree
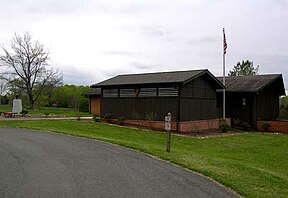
[{"x": 28, "y": 68}]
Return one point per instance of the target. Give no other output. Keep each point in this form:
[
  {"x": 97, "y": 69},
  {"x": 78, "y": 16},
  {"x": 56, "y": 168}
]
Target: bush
[
  {"x": 108, "y": 117},
  {"x": 96, "y": 117},
  {"x": 236, "y": 121},
  {"x": 121, "y": 120},
  {"x": 46, "y": 114},
  {"x": 24, "y": 112},
  {"x": 245, "y": 126},
  {"x": 84, "y": 105},
  {"x": 224, "y": 127},
  {"x": 266, "y": 126}
]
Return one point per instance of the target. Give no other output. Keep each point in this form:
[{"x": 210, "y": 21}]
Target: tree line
[{"x": 65, "y": 96}]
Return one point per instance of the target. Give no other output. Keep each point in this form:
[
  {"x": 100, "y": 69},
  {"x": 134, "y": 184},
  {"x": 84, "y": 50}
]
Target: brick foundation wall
[
  {"x": 202, "y": 124},
  {"x": 276, "y": 126},
  {"x": 183, "y": 126}
]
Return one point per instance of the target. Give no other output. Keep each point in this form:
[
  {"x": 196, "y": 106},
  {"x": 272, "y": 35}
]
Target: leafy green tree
[
  {"x": 67, "y": 96},
  {"x": 245, "y": 68}
]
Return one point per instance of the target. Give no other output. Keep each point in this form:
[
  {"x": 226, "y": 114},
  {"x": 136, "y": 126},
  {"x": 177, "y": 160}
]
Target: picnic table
[{"x": 9, "y": 114}]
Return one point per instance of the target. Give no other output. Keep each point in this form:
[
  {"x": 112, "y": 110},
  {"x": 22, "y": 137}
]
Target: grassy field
[
  {"x": 67, "y": 112},
  {"x": 253, "y": 165}
]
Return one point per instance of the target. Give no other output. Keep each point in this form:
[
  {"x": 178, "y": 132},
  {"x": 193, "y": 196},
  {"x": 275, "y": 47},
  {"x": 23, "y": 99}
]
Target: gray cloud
[
  {"x": 77, "y": 76},
  {"x": 119, "y": 53},
  {"x": 141, "y": 66},
  {"x": 204, "y": 39},
  {"x": 155, "y": 31},
  {"x": 56, "y": 6},
  {"x": 138, "y": 8}
]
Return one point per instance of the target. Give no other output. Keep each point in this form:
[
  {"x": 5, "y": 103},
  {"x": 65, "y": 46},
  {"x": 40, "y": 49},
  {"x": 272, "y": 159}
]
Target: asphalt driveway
[{"x": 44, "y": 164}]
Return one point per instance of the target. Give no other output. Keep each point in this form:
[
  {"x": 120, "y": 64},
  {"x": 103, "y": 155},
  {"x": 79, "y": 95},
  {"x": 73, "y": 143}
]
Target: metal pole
[
  {"x": 168, "y": 128},
  {"x": 224, "y": 92},
  {"x": 224, "y": 52}
]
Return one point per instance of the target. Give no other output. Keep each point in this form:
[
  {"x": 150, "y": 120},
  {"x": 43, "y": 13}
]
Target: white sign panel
[
  {"x": 167, "y": 118},
  {"x": 168, "y": 126}
]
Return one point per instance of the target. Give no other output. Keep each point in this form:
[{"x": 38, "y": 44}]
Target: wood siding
[
  {"x": 267, "y": 104},
  {"x": 198, "y": 100},
  {"x": 197, "y": 109},
  {"x": 150, "y": 108},
  {"x": 199, "y": 88}
]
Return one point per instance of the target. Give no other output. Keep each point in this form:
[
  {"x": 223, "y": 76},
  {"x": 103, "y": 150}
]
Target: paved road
[{"x": 45, "y": 164}]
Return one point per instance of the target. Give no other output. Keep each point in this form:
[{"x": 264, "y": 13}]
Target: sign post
[{"x": 168, "y": 129}]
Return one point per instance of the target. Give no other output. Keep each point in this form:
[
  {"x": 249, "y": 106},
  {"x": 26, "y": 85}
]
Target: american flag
[{"x": 224, "y": 42}]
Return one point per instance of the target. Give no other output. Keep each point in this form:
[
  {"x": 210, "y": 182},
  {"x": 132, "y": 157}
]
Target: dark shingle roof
[
  {"x": 254, "y": 83},
  {"x": 155, "y": 78},
  {"x": 92, "y": 92}
]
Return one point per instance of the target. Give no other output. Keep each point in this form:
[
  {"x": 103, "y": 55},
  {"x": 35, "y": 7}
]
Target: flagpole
[{"x": 224, "y": 52}]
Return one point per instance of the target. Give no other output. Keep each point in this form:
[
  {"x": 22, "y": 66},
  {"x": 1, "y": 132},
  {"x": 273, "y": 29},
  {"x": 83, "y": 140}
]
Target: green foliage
[
  {"x": 24, "y": 112},
  {"x": 236, "y": 121},
  {"x": 68, "y": 96},
  {"x": 252, "y": 164},
  {"x": 121, "y": 120},
  {"x": 84, "y": 105},
  {"x": 96, "y": 117},
  {"x": 108, "y": 117},
  {"x": 245, "y": 68},
  {"x": 245, "y": 126},
  {"x": 266, "y": 126},
  {"x": 4, "y": 100},
  {"x": 283, "y": 107},
  {"x": 64, "y": 112},
  {"x": 224, "y": 127}
]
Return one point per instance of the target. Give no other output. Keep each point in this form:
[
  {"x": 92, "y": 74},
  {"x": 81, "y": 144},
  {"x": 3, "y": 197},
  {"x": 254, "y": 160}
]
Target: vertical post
[
  {"x": 168, "y": 128},
  {"x": 224, "y": 52},
  {"x": 224, "y": 93}
]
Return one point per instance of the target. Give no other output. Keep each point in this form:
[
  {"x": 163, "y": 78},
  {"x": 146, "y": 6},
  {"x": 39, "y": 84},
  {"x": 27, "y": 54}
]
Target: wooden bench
[{"x": 9, "y": 114}]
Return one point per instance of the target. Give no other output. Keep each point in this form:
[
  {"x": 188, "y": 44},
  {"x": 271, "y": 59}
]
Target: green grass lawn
[
  {"x": 52, "y": 111},
  {"x": 253, "y": 165}
]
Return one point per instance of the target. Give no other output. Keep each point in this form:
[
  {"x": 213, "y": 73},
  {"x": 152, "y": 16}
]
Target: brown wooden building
[
  {"x": 252, "y": 98},
  {"x": 187, "y": 95},
  {"x": 94, "y": 95}
]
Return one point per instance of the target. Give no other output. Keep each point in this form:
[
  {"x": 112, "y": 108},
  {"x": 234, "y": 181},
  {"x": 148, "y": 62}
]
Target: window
[
  {"x": 167, "y": 91},
  {"x": 148, "y": 92},
  {"x": 110, "y": 93}
]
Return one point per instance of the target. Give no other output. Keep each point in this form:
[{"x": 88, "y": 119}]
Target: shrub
[
  {"x": 96, "y": 117},
  {"x": 84, "y": 105},
  {"x": 224, "y": 127},
  {"x": 108, "y": 117},
  {"x": 121, "y": 120},
  {"x": 46, "y": 114},
  {"x": 24, "y": 112},
  {"x": 266, "y": 126},
  {"x": 245, "y": 126},
  {"x": 236, "y": 121}
]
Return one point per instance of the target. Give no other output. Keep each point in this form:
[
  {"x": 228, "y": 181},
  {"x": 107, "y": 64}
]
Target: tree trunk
[{"x": 31, "y": 101}]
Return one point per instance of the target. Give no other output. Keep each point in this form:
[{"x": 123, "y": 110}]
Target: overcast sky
[{"x": 92, "y": 40}]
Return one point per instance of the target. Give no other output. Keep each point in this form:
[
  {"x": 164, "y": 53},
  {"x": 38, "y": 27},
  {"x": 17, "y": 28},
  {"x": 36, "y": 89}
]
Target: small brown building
[
  {"x": 187, "y": 95},
  {"x": 94, "y": 95},
  {"x": 252, "y": 98}
]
